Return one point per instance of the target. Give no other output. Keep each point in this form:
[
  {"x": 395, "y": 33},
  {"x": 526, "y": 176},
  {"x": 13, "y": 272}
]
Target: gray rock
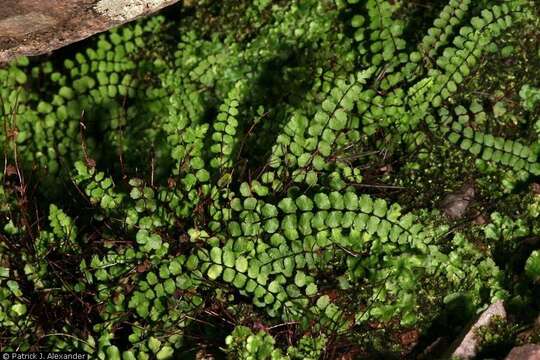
[
  {"x": 466, "y": 347},
  {"x": 455, "y": 205},
  {"x": 525, "y": 352},
  {"x": 125, "y": 10},
  {"x": 33, "y": 27}
]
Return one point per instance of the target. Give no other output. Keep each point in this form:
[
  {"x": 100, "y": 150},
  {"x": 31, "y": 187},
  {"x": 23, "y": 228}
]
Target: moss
[{"x": 496, "y": 338}]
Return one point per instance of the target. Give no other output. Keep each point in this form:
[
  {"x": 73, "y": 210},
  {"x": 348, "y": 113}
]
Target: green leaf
[
  {"x": 154, "y": 242},
  {"x": 142, "y": 310},
  {"x": 311, "y": 289},
  {"x": 269, "y": 210},
  {"x": 333, "y": 220},
  {"x": 215, "y": 255},
  {"x": 151, "y": 278},
  {"x": 175, "y": 267},
  {"x": 409, "y": 319},
  {"x": 339, "y": 120},
  {"x": 289, "y": 222},
  {"x": 245, "y": 190},
  {"x": 128, "y": 355},
  {"x": 477, "y": 22},
  {"x": 499, "y": 109},
  {"x": 21, "y": 77},
  {"x": 394, "y": 212},
  {"x": 166, "y": 352},
  {"x": 322, "y": 201},
  {"x": 214, "y": 271},
  {"x": 357, "y": 21},
  {"x": 250, "y": 203},
  {"x": 271, "y": 226},
  {"x": 328, "y": 105},
  {"x": 415, "y": 56},
  {"x": 319, "y": 219},
  {"x": 19, "y": 309},
  {"x": 532, "y": 266},
  {"x": 113, "y": 353},
  {"x": 350, "y": 200},
  {"x": 366, "y": 204},
  {"x": 304, "y": 203},
  {"x": 274, "y": 287},
  {"x": 323, "y": 302},
  {"x": 228, "y": 275},
  {"x": 203, "y": 175},
  {"x": 228, "y": 258},
  {"x": 454, "y": 137},
  {"x": 154, "y": 344},
  {"x": 379, "y": 208},
  {"x": 336, "y": 200},
  {"x": 311, "y": 178},
  {"x": 373, "y": 224},
  {"x": 234, "y": 229},
  {"x": 241, "y": 264},
  {"x": 287, "y": 205},
  {"x": 300, "y": 279},
  {"x": 169, "y": 286},
  {"x": 192, "y": 262},
  {"x": 240, "y": 280}
]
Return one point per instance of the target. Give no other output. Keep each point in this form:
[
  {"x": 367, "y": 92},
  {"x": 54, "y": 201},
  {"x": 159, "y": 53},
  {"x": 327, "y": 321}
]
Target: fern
[{"x": 261, "y": 161}]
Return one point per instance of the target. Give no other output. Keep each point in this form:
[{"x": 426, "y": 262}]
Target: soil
[{"x": 34, "y": 27}]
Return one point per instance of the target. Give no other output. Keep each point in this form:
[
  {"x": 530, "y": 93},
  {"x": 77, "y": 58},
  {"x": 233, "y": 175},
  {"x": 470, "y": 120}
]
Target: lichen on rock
[{"x": 122, "y": 10}]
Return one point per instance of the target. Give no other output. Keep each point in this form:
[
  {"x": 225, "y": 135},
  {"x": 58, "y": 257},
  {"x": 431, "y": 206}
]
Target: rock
[
  {"x": 435, "y": 350},
  {"x": 33, "y": 27},
  {"x": 480, "y": 220},
  {"x": 525, "y": 352},
  {"x": 535, "y": 188},
  {"x": 455, "y": 205},
  {"x": 24, "y": 24},
  {"x": 467, "y": 345},
  {"x": 124, "y": 10}
]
